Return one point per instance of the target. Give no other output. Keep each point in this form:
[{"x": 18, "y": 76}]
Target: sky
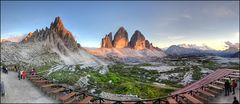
[{"x": 163, "y": 23}]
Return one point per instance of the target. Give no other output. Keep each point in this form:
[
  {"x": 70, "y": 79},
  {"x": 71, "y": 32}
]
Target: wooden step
[
  {"x": 86, "y": 100},
  {"x": 181, "y": 100},
  {"x": 48, "y": 85},
  {"x": 148, "y": 102},
  {"x": 106, "y": 102},
  {"x": 192, "y": 99},
  {"x": 200, "y": 97},
  {"x": 67, "y": 97},
  {"x": 171, "y": 100},
  {"x": 220, "y": 82},
  {"x": 206, "y": 93},
  {"x": 234, "y": 76},
  {"x": 215, "y": 87},
  {"x": 70, "y": 101},
  {"x": 57, "y": 90},
  {"x": 211, "y": 91}
]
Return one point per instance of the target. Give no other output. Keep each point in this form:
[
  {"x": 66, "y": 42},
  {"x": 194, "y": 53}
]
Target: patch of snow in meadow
[
  {"x": 187, "y": 78},
  {"x": 159, "y": 68}
]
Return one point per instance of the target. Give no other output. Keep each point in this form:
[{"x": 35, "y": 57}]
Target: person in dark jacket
[
  {"x": 234, "y": 85},
  {"x": 235, "y": 101},
  {"x": 227, "y": 87}
]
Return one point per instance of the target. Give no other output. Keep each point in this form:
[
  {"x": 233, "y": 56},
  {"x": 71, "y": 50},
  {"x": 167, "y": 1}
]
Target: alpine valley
[{"x": 123, "y": 64}]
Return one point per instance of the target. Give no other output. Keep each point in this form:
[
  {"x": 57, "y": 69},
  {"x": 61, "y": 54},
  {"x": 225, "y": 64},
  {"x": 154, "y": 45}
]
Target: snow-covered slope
[{"x": 126, "y": 54}]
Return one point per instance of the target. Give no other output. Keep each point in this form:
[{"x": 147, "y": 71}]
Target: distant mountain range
[{"x": 194, "y": 50}]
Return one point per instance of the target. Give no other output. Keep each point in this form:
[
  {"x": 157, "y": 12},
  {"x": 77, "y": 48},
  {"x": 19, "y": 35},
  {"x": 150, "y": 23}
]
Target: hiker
[
  {"x": 239, "y": 83},
  {"x": 19, "y": 74},
  {"x": 234, "y": 85},
  {"x": 230, "y": 82},
  {"x": 235, "y": 101},
  {"x": 227, "y": 87},
  {"x": 33, "y": 71},
  {"x": 24, "y": 74}
]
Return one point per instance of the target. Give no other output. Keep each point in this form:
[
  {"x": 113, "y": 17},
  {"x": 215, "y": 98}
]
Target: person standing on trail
[
  {"x": 234, "y": 85},
  {"x": 227, "y": 87},
  {"x": 19, "y": 74},
  {"x": 230, "y": 82},
  {"x": 24, "y": 74},
  {"x": 235, "y": 101}
]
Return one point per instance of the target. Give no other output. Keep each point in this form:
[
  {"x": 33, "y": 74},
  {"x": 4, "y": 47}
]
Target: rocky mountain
[
  {"x": 54, "y": 45},
  {"x": 120, "y": 38},
  {"x": 107, "y": 41},
  {"x": 55, "y": 36},
  {"x": 175, "y": 50},
  {"x": 137, "y": 41},
  {"x": 236, "y": 55}
]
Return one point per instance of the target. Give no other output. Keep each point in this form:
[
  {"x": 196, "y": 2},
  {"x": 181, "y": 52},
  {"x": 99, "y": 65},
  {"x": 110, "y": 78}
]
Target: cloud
[
  {"x": 232, "y": 45},
  {"x": 16, "y": 38},
  {"x": 219, "y": 11},
  {"x": 187, "y": 16}
]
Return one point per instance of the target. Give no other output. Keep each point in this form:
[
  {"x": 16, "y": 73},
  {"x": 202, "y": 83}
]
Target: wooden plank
[
  {"x": 66, "y": 97},
  {"x": 48, "y": 85},
  {"x": 181, "y": 100},
  {"x": 220, "y": 82},
  {"x": 206, "y": 93},
  {"x": 200, "y": 97},
  {"x": 57, "y": 90},
  {"x": 70, "y": 101},
  {"x": 106, "y": 102},
  {"x": 148, "y": 102},
  {"x": 215, "y": 87},
  {"x": 192, "y": 99},
  {"x": 233, "y": 76},
  {"x": 211, "y": 91},
  {"x": 171, "y": 100},
  {"x": 86, "y": 100}
]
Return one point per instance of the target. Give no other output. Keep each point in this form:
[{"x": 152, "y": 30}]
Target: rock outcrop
[
  {"x": 55, "y": 36},
  {"x": 107, "y": 41},
  {"x": 137, "y": 41},
  {"x": 120, "y": 38}
]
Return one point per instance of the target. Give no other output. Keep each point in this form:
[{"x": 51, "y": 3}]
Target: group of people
[
  {"x": 229, "y": 86},
  {"x": 22, "y": 74}
]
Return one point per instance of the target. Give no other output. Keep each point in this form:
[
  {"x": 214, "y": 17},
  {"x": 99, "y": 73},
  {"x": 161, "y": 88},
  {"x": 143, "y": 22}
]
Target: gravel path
[{"x": 22, "y": 91}]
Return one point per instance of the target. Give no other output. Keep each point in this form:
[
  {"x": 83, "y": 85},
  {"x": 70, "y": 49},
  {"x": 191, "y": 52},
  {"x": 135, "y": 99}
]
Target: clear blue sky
[{"x": 163, "y": 23}]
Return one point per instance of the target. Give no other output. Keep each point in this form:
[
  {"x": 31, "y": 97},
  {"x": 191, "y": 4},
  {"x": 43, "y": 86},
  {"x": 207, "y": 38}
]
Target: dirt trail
[{"x": 22, "y": 91}]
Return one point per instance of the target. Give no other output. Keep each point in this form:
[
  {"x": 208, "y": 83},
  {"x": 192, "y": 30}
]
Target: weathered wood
[
  {"x": 215, "y": 87},
  {"x": 106, "y": 102},
  {"x": 57, "y": 90},
  {"x": 182, "y": 101},
  {"x": 200, "y": 97},
  {"x": 86, "y": 100},
  {"x": 211, "y": 91},
  {"x": 171, "y": 100},
  {"x": 192, "y": 99},
  {"x": 234, "y": 76},
  {"x": 220, "y": 82},
  {"x": 48, "y": 85},
  {"x": 206, "y": 93},
  {"x": 67, "y": 97}
]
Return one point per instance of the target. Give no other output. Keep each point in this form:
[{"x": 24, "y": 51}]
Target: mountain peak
[{"x": 57, "y": 24}]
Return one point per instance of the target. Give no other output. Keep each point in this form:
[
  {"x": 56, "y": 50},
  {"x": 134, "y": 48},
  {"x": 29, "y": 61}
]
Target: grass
[{"x": 127, "y": 81}]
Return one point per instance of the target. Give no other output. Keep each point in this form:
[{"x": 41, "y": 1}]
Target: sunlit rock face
[
  {"x": 137, "y": 41},
  {"x": 55, "y": 36},
  {"x": 107, "y": 41},
  {"x": 120, "y": 38}
]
